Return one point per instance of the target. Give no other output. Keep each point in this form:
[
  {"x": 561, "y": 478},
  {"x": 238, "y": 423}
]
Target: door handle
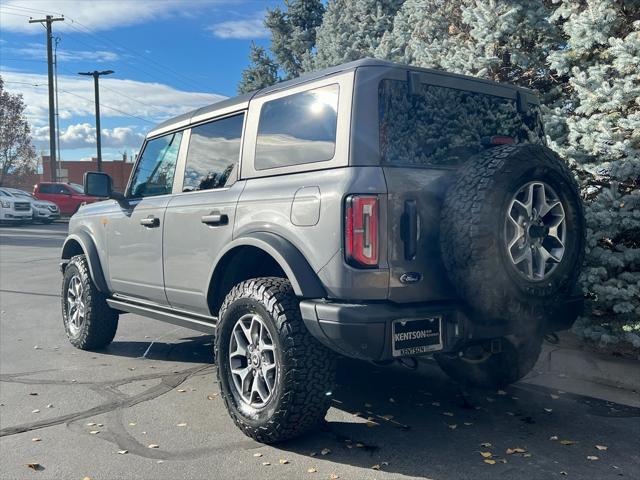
[
  {"x": 150, "y": 221},
  {"x": 215, "y": 219}
]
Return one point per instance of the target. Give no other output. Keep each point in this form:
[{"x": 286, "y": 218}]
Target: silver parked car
[
  {"x": 14, "y": 209},
  {"x": 372, "y": 210},
  {"x": 43, "y": 211}
]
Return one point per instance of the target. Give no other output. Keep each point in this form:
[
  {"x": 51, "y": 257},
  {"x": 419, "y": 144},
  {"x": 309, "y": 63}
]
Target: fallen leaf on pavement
[
  {"x": 94, "y": 432},
  {"x": 132, "y": 424},
  {"x": 181, "y": 424},
  {"x": 333, "y": 476},
  {"x": 311, "y": 470},
  {"x": 91, "y": 424},
  {"x": 100, "y": 425},
  {"x": 265, "y": 464},
  {"x": 123, "y": 452},
  {"x": 548, "y": 410},
  {"x": 601, "y": 447},
  {"x": 468, "y": 424},
  {"x": 35, "y": 466},
  {"x": 553, "y": 437},
  {"x": 592, "y": 457},
  {"x": 485, "y": 445},
  {"x": 153, "y": 445},
  {"x": 50, "y": 405},
  {"x": 489, "y": 461},
  {"x": 563, "y": 473},
  {"x": 453, "y": 426},
  {"x": 36, "y": 439},
  {"x": 360, "y": 445},
  {"x": 375, "y": 467},
  {"x": 36, "y": 347},
  {"x": 448, "y": 414},
  {"x": 325, "y": 451},
  {"x": 182, "y": 390},
  {"x": 486, "y": 454},
  {"x": 258, "y": 454},
  {"x": 212, "y": 397},
  {"x": 33, "y": 394},
  {"x": 567, "y": 442},
  {"x": 35, "y": 411},
  {"x": 283, "y": 461},
  {"x": 511, "y": 451}
]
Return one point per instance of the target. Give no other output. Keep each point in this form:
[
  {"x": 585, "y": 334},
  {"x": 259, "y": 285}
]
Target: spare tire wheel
[
  {"x": 512, "y": 242},
  {"x": 512, "y": 232}
]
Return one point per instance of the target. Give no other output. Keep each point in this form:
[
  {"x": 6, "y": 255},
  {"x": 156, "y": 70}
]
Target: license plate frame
[{"x": 427, "y": 337}]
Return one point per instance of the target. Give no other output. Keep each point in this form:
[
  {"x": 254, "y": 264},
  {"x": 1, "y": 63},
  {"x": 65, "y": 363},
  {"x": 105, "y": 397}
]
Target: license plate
[{"x": 414, "y": 337}]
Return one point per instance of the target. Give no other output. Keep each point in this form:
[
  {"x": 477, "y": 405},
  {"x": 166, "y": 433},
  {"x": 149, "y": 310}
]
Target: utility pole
[
  {"x": 48, "y": 20},
  {"x": 96, "y": 75}
]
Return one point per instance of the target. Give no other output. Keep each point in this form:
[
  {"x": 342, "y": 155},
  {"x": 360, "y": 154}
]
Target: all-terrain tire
[
  {"x": 472, "y": 235},
  {"x": 494, "y": 370},
  {"x": 305, "y": 368},
  {"x": 100, "y": 322}
]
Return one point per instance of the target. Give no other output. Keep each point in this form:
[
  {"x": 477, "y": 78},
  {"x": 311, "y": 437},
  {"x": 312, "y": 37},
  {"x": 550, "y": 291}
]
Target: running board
[{"x": 180, "y": 318}]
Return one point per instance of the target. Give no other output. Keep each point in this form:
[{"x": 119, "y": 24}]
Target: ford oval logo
[{"x": 410, "y": 277}]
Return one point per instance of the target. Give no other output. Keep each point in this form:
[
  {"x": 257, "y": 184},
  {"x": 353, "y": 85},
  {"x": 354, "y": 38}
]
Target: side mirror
[{"x": 97, "y": 184}]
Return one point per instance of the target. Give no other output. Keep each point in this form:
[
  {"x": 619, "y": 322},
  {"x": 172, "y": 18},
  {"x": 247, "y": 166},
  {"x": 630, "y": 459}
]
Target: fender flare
[
  {"x": 303, "y": 279},
  {"x": 86, "y": 242}
]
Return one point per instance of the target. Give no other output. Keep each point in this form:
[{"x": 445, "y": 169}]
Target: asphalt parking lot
[{"x": 73, "y": 414}]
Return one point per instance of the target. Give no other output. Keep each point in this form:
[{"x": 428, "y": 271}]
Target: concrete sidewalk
[{"x": 568, "y": 358}]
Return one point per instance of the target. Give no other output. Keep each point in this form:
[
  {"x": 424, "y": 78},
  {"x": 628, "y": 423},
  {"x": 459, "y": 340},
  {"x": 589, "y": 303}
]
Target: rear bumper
[{"x": 363, "y": 330}]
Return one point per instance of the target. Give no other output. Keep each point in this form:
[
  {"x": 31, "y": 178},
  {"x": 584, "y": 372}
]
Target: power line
[{"x": 84, "y": 98}]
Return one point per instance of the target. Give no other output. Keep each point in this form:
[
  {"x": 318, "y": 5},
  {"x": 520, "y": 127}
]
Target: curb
[{"x": 589, "y": 366}]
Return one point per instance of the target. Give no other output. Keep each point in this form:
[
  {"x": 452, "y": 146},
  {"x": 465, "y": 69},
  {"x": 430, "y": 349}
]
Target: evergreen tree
[
  {"x": 602, "y": 61},
  {"x": 293, "y": 33},
  {"x": 262, "y": 72},
  {"x": 351, "y": 29}
]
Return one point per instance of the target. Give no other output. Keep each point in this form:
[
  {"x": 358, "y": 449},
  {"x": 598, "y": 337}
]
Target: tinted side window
[
  {"x": 445, "y": 126},
  {"x": 156, "y": 168},
  {"x": 214, "y": 149},
  {"x": 297, "y": 129},
  {"x": 46, "y": 188}
]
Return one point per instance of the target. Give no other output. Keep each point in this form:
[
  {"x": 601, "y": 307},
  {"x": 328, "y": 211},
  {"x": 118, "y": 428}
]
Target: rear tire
[
  {"x": 299, "y": 373},
  {"x": 494, "y": 370},
  {"x": 88, "y": 321}
]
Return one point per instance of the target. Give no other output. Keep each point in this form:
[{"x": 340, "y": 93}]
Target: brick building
[{"x": 73, "y": 170}]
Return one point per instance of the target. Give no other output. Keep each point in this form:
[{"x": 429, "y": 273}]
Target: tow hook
[{"x": 408, "y": 362}]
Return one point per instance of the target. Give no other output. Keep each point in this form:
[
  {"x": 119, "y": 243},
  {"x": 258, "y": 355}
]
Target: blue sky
[{"x": 169, "y": 56}]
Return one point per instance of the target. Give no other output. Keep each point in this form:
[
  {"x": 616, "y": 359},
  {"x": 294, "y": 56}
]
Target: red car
[{"x": 68, "y": 196}]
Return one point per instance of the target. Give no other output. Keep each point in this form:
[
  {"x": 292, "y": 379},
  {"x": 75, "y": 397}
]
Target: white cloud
[
  {"x": 97, "y": 15},
  {"x": 38, "y": 51},
  {"x": 83, "y": 135},
  {"x": 240, "y": 29},
  {"x": 151, "y": 101}
]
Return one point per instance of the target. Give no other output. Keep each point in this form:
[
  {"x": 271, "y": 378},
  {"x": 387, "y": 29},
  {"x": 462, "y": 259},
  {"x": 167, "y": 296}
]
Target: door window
[
  {"x": 156, "y": 168},
  {"x": 214, "y": 150}
]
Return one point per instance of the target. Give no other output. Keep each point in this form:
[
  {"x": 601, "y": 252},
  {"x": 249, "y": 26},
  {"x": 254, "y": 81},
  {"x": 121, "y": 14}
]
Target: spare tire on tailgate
[{"x": 512, "y": 232}]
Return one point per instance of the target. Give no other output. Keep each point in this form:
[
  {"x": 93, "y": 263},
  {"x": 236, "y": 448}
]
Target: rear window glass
[
  {"x": 443, "y": 126},
  {"x": 298, "y": 129}
]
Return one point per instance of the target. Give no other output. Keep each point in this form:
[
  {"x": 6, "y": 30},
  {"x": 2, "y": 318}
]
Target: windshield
[
  {"x": 76, "y": 187},
  {"x": 442, "y": 126}
]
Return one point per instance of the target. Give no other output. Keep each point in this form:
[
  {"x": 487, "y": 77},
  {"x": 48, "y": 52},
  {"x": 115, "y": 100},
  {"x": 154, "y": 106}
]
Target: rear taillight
[{"x": 361, "y": 230}]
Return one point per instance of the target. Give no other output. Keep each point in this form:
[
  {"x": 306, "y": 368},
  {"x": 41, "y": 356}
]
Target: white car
[
  {"x": 14, "y": 209},
  {"x": 43, "y": 211}
]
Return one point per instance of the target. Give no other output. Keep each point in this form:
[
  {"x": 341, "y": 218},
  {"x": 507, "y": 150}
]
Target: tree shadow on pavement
[{"x": 421, "y": 424}]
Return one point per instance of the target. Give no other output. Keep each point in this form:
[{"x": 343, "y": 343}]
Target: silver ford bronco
[{"x": 371, "y": 210}]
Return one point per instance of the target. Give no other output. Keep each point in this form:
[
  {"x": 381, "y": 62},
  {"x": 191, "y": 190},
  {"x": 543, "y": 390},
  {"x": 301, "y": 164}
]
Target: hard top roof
[{"x": 242, "y": 101}]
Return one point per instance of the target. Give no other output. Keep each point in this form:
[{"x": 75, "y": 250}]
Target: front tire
[
  {"x": 88, "y": 321},
  {"x": 275, "y": 378},
  {"x": 481, "y": 368}
]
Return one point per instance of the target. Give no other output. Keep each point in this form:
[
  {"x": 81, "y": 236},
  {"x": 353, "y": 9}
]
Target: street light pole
[{"x": 96, "y": 75}]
